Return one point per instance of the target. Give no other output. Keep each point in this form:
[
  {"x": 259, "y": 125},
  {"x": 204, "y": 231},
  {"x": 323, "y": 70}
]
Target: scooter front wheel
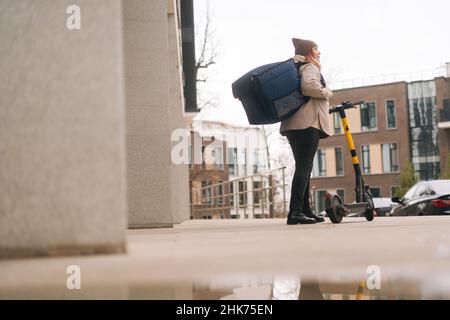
[{"x": 334, "y": 208}]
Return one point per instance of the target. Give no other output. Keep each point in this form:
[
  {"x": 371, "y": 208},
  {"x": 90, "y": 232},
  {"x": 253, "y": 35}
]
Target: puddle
[{"x": 268, "y": 288}]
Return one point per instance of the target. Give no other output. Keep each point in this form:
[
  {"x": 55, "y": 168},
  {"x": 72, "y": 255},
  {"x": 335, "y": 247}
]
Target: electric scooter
[{"x": 334, "y": 205}]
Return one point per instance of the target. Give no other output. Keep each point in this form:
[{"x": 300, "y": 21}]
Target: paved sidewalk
[{"x": 414, "y": 247}]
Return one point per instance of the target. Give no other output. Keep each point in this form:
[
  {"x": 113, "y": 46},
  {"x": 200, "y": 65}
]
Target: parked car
[
  {"x": 383, "y": 207},
  {"x": 424, "y": 198}
]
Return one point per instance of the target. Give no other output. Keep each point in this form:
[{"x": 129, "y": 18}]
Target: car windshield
[
  {"x": 441, "y": 186},
  {"x": 410, "y": 193}
]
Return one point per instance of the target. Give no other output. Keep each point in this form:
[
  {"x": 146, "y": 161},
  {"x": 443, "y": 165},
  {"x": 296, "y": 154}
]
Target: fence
[{"x": 261, "y": 195}]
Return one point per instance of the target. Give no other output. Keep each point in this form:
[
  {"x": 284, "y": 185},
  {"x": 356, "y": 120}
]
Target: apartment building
[
  {"x": 208, "y": 203},
  {"x": 237, "y": 152},
  {"x": 399, "y": 122},
  {"x": 443, "y": 114}
]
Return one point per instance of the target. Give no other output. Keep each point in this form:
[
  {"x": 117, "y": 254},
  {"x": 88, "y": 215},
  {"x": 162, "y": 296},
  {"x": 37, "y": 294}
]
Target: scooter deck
[{"x": 357, "y": 207}]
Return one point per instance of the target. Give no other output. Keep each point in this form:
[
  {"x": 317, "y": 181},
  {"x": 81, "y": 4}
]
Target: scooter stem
[{"x": 351, "y": 146}]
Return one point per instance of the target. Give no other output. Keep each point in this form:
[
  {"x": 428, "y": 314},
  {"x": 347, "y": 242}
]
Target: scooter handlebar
[
  {"x": 358, "y": 103},
  {"x": 345, "y": 105}
]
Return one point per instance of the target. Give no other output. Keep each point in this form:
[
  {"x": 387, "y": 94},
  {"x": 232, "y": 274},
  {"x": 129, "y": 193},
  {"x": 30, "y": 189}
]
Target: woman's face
[{"x": 315, "y": 53}]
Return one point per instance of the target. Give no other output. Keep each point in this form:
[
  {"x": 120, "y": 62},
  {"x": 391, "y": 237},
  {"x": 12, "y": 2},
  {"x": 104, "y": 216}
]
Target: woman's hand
[{"x": 327, "y": 93}]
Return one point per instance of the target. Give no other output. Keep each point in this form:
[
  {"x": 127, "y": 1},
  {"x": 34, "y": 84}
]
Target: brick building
[
  {"x": 399, "y": 122},
  {"x": 236, "y": 152},
  {"x": 204, "y": 174}
]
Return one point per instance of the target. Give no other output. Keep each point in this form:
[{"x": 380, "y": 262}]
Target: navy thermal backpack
[{"x": 270, "y": 93}]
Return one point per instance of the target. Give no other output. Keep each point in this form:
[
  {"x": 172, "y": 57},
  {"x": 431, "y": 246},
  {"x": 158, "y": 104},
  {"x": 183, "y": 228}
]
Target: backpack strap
[
  {"x": 322, "y": 79},
  {"x": 299, "y": 64}
]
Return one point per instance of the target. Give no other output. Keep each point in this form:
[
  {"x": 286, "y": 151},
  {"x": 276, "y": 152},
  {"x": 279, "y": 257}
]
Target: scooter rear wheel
[
  {"x": 334, "y": 208},
  {"x": 370, "y": 211}
]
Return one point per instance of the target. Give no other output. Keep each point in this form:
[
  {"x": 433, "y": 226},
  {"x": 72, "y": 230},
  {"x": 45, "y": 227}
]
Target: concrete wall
[
  {"x": 179, "y": 174},
  {"x": 62, "y": 168},
  {"x": 158, "y": 192}
]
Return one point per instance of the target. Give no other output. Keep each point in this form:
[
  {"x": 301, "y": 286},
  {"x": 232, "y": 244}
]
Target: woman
[{"x": 305, "y": 128}]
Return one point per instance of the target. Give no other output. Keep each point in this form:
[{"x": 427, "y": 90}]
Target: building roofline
[
  {"x": 373, "y": 85},
  {"x": 391, "y": 83}
]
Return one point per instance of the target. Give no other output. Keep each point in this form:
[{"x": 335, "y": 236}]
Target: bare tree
[
  {"x": 208, "y": 45},
  {"x": 206, "y": 58},
  {"x": 273, "y": 140}
]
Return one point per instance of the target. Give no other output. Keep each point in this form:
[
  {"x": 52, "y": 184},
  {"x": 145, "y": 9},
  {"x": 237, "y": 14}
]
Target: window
[
  {"x": 375, "y": 191},
  {"x": 391, "y": 115},
  {"x": 390, "y": 157},
  {"x": 337, "y": 123},
  {"x": 232, "y": 161},
  {"x": 368, "y": 117},
  {"x": 319, "y": 166},
  {"x": 220, "y": 193},
  {"x": 231, "y": 194},
  {"x": 242, "y": 193},
  {"x": 258, "y": 158},
  {"x": 365, "y": 151},
  {"x": 206, "y": 192},
  {"x": 423, "y": 129},
  {"x": 341, "y": 194},
  {"x": 394, "y": 190},
  {"x": 257, "y": 194},
  {"x": 319, "y": 202},
  {"x": 255, "y": 159},
  {"x": 339, "y": 161},
  {"x": 445, "y": 112},
  {"x": 243, "y": 168},
  {"x": 218, "y": 156}
]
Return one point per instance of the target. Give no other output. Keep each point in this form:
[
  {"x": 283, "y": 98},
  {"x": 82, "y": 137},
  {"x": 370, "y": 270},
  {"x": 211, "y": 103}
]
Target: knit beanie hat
[{"x": 302, "y": 47}]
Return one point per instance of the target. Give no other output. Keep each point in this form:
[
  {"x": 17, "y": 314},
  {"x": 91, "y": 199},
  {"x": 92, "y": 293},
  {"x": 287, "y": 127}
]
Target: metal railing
[{"x": 261, "y": 195}]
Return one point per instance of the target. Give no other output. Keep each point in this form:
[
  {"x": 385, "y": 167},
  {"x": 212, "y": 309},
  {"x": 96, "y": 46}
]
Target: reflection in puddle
[{"x": 269, "y": 288}]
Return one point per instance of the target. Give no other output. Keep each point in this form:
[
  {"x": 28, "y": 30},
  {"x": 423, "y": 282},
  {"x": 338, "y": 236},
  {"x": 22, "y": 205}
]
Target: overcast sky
[{"x": 357, "y": 38}]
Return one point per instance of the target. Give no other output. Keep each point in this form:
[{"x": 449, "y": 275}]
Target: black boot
[
  {"x": 310, "y": 214},
  {"x": 299, "y": 218}
]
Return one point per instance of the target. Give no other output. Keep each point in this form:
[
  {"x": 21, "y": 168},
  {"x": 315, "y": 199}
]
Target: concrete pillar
[
  {"x": 153, "y": 102},
  {"x": 62, "y": 168},
  {"x": 179, "y": 174}
]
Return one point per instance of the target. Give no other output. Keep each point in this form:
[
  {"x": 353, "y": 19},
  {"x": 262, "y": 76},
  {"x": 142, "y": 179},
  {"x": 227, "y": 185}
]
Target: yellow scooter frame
[{"x": 334, "y": 205}]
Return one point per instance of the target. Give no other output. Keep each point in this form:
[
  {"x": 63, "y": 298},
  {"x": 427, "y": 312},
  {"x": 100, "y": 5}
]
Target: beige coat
[{"x": 315, "y": 112}]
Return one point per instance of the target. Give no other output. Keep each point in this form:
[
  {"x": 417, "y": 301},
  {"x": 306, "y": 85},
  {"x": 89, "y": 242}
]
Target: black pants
[{"x": 304, "y": 144}]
